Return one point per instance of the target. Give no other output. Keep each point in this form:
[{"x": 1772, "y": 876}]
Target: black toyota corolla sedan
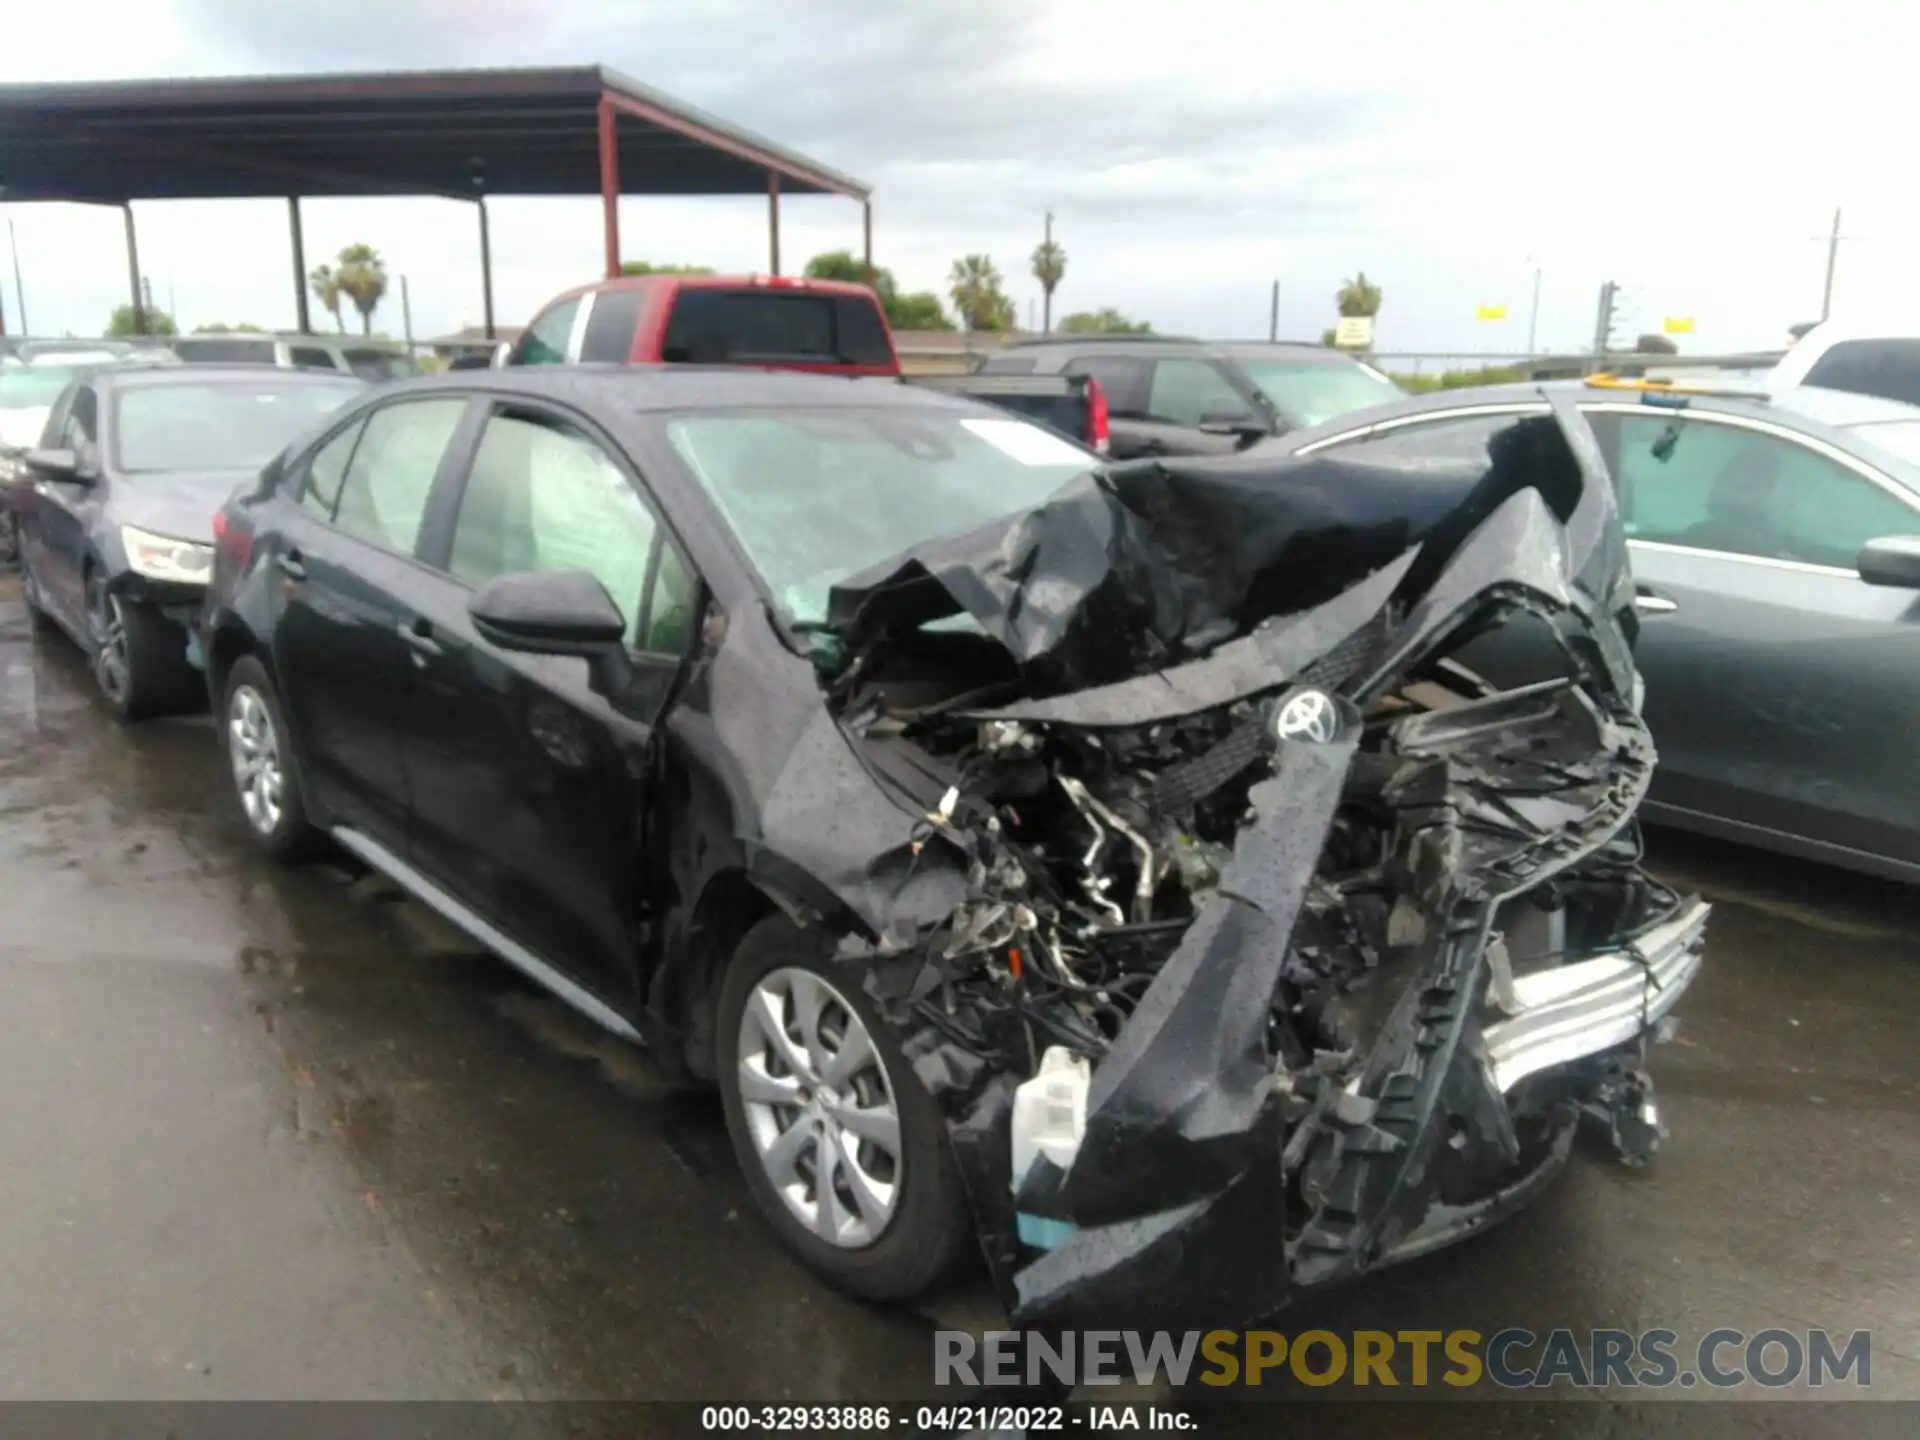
[
  {"x": 1106, "y": 869},
  {"x": 115, "y": 510}
]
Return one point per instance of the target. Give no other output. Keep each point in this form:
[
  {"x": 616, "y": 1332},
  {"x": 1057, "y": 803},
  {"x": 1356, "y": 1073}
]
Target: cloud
[{"x": 1190, "y": 157}]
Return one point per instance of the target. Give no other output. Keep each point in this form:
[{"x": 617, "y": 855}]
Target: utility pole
[
  {"x": 406, "y": 316},
  {"x": 1833, "y": 239},
  {"x": 13, "y": 246},
  {"x": 1273, "y": 315},
  {"x": 1603, "y": 319},
  {"x": 1533, "y": 315}
]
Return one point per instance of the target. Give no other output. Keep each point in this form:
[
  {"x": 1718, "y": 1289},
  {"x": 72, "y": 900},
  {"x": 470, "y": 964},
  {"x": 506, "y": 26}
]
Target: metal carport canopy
[{"x": 459, "y": 134}]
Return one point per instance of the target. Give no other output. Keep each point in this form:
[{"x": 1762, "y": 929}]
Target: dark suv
[{"x": 1188, "y": 397}]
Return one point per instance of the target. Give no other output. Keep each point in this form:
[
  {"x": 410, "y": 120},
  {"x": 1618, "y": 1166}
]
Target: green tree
[
  {"x": 1358, "y": 296},
  {"x": 362, "y": 277},
  {"x": 1327, "y": 338},
  {"x": 120, "y": 323},
  {"x": 647, "y": 267},
  {"x": 849, "y": 269},
  {"x": 919, "y": 310},
  {"x": 245, "y": 327},
  {"x": 325, "y": 282},
  {"x": 975, "y": 285},
  {"x": 1107, "y": 321},
  {"x": 1049, "y": 268}
]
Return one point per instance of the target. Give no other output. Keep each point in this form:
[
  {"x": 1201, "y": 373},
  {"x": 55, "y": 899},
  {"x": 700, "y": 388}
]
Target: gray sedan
[{"x": 1776, "y": 550}]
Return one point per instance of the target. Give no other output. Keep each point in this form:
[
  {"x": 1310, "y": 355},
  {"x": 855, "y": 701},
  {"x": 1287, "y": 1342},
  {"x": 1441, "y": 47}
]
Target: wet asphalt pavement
[{"x": 272, "y": 1133}]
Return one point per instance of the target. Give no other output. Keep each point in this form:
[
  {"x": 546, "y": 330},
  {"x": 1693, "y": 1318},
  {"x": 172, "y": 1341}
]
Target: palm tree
[
  {"x": 1049, "y": 268},
  {"x": 326, "y": 289},
  {"x": 363, "y": 276},
  {"x": 1358, "y": 296},
  {"x": 974, "y": 284}
]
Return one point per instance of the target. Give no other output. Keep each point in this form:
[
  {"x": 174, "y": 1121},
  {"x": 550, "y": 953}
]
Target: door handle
[
  {"x": 418, "y": 635},
  {"x": 291, "y": 565},
  {"x": 1648, "y": 603}
]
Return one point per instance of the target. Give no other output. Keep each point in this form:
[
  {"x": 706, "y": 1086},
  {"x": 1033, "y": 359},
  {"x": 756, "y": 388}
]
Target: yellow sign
[
  {"x": 1679, "y": 325},
  {"x": 1353, "y": 332},
  {"x": 1491, "y": 312}
]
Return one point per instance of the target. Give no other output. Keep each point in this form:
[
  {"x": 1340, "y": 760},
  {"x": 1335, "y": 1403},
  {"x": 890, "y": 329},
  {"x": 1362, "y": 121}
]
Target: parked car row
[{"x": 935, "y": 789}]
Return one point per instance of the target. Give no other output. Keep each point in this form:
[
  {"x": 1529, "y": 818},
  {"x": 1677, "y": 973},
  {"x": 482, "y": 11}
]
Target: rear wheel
[
  {"x": 842, "y": 1147},
  {"x": 266, "y": 776}
]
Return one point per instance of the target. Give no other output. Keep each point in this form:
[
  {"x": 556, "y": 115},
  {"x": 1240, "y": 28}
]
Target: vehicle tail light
[
  {"x": 1099, "y": 430},
  {"x": 233, "y": 540}
]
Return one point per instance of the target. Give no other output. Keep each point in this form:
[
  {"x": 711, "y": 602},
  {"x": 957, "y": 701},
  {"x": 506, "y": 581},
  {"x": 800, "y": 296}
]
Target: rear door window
[
  {"x": 320, "y": 485},
  {"x": 721, "y": 327},
  {"x": 1887, "y": 368},
  {"x": 384, "y": 496},
  {"x": 312, "y": 357},
  {"x": 1185, "y": 392}
]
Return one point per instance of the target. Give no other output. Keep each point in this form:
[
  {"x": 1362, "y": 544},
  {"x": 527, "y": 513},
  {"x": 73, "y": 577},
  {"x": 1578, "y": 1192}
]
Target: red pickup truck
[{"x": 825, "y": 326}]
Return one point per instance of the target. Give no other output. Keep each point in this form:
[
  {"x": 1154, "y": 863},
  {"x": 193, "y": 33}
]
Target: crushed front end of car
[{"x": 1282, "y": 947}]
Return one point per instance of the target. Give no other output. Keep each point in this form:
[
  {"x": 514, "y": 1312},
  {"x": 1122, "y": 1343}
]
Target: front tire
[
  {"x": 260, "y": 758},
  {"x": 139, "y": 656},
  {"x": 842, "y": 1147}
]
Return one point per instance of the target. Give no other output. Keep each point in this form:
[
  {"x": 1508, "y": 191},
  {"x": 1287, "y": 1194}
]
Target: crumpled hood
[
  {"x": 1130, "y": 571},
  {"x": 179, "y": 506}
]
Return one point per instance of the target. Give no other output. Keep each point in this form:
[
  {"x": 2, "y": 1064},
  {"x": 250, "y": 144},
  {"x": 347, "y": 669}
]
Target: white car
[{"x": 1867, "y": 357}]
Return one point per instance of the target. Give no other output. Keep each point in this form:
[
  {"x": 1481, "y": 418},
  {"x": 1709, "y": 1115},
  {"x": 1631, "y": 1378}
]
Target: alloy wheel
[
  {"x": 107, "y": 623},
  {"x": 253, "y": 749},
  {"x": 820, "y": 1107}
]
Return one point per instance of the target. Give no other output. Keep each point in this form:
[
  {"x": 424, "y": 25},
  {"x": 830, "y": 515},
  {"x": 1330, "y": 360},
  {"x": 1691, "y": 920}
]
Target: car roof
[
  {"x": 693, "y": 387},
  {"x": 124, "y": 375},
  {"x": 1806, "y": 407}
]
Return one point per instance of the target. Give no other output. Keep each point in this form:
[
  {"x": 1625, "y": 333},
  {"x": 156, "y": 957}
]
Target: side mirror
[
  {"x": 1242, "y": 425},
  {"x": 56, "y": 465},
  {"x": 559, "y": 612},
  {"x": 1891, "y": 560}
]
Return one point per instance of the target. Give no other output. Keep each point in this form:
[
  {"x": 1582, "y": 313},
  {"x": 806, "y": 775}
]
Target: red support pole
[
  {"x": 773, "y": 222},
  {"x": 610, "y": 184}
]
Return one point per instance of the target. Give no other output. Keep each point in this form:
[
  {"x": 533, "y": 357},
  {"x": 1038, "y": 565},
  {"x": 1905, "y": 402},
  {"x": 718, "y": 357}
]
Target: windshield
[
  {"x": 28, "y": 387},
  {"x": 1307, "y": 389},
  {"x": 816, "y": 497},
  {"x": 217, "y": 425}
]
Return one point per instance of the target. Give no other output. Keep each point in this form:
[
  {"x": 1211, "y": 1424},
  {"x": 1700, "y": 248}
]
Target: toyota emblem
[{"x": 1308, "y": 715}]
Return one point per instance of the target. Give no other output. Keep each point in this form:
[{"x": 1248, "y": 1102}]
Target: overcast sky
[{"x": 1191, "y": 154}]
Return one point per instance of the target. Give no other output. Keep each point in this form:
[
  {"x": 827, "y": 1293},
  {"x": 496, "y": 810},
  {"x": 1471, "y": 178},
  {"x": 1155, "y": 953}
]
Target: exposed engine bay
[{"x": 1288, "y": 947}]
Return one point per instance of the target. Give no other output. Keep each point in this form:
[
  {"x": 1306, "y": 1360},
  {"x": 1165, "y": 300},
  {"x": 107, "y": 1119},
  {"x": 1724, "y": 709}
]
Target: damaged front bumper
[{"x": 1573, "y": 1011}]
